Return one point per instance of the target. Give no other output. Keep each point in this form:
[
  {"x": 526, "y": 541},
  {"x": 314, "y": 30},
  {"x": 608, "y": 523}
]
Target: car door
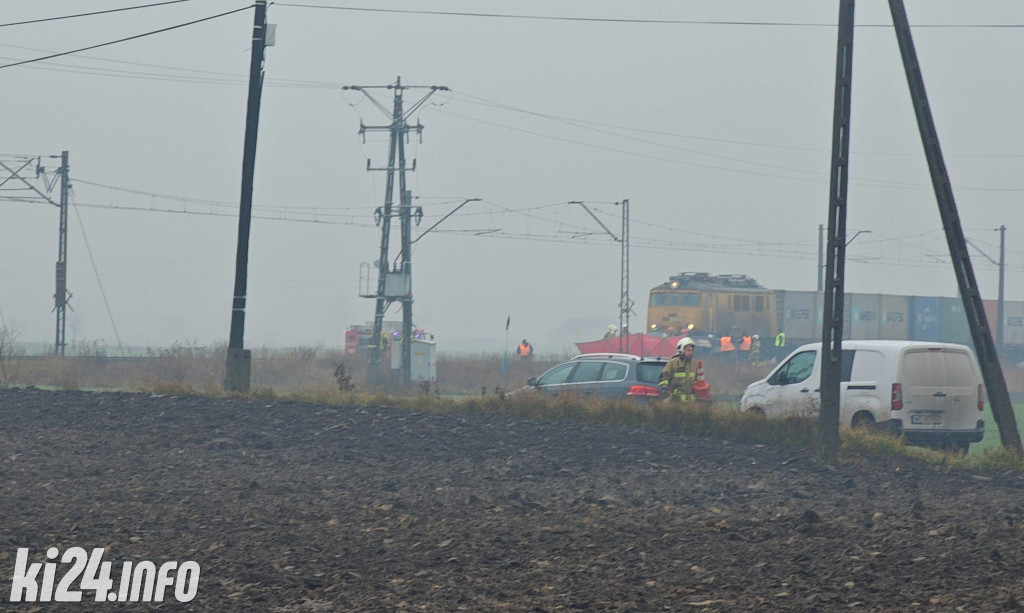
[
  {"x": 858, "y": 388},
  {"x": 554, "y": 381},
  {"x": 792, "y": 390},
  {"x": 613, "y": 380},
  {"x": 586, "y": 379},
  {"x": 962, "y": 389}
]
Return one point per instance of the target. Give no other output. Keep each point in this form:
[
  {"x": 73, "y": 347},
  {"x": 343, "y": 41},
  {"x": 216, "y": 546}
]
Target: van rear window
[
  {"x": 924, "y": 369},
  {"x": 938, "y": 369},
  {"x": 959, "y": 369}
]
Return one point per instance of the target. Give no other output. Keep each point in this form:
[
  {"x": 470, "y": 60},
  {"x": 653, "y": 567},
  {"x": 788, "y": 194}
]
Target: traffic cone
[{"x": 701, "y": 388}]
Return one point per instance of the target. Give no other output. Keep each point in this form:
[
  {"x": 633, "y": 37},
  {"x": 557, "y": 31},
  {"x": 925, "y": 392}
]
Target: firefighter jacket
[{"x": 678, "y": 377}]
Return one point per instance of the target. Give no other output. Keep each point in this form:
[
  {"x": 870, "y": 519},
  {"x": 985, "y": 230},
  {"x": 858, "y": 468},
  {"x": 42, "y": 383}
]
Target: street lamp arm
[{"x": 464, "y": 203}]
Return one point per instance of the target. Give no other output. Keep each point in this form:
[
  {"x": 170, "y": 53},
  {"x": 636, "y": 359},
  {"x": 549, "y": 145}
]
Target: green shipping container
[{"x": 954, "y": 322}]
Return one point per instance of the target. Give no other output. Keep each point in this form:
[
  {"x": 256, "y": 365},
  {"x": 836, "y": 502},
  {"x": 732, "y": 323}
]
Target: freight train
[{"x": 705, "y": 305}]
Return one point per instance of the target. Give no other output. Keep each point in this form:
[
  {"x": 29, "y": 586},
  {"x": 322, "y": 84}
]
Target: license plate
[{"x": 926, "y": 420}]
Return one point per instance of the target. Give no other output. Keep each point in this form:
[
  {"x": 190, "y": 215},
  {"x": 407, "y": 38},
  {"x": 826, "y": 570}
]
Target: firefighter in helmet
[{"x": 679, "y": 374}]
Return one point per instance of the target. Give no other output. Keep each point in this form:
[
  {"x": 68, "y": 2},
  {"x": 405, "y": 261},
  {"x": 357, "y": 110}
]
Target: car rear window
[
  {"x": 613, "y": 371},
  {"x": 649, "y": 372}
]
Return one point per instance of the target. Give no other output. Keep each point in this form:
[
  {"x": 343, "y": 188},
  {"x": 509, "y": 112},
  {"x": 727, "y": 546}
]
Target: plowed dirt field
[{"x": 299, "y": 507}]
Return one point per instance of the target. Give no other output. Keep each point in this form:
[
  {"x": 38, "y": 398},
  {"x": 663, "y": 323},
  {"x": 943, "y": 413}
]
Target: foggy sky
[{"x": 725, "y": 161}]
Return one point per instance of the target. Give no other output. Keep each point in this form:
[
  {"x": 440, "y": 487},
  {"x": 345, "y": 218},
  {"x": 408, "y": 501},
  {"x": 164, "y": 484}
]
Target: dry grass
[{"x": 478, "y": 384}]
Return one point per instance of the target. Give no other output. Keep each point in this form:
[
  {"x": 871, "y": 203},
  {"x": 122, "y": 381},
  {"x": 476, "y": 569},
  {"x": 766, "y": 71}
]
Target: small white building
[{"x": 423, "y": 361}]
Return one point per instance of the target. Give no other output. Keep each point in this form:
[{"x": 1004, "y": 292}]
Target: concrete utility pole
[
  {"x": 821, "y": 257},
  {"x": 61, "y": 296},
  {"x": 988, "y": 358},
  {"x": 625, "y": 303},
  {"x": 238, "y": 367},
  {"x": 1000, "y": 316},
  {"x": 394, "y": 282},
  {"x": 18, "y": 187},
  {"x": 832, "y": 328}
]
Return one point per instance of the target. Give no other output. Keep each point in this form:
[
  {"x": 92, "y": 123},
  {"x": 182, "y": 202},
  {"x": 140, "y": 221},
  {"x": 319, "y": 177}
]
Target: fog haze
[{"x": 718, "y": 131}]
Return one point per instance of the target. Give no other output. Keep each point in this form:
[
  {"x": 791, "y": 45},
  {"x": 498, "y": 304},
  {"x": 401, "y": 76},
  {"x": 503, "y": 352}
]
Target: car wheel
[
  {"x": 863, "y": 420},
  {"x": 756, "y": 411}
]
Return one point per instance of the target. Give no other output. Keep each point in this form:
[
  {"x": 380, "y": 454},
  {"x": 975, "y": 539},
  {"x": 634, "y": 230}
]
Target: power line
[
  {"x": 629, "y": 20},
  {"x": 99, "y": 282},
  {"x": 584, "y": 123},
  {"x": 820, "y": 177},
  {"x": 121, "y": 40},
  {"x": 189, "y": 76},
  {"x": 127, "y": 8},
  {"x": 626, "y": 152},
  {"x": 564, "y": 230}
]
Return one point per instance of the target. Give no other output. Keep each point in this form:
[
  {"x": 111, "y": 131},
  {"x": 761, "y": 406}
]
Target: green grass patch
[{"x": 991, "y": 441}]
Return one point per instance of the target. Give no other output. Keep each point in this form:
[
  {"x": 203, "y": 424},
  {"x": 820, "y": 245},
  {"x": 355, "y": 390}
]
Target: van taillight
[
  {"x": 643, "y": 390},
  {"x": 981, "y": 396},
  {"x": 897, "y": 396}
]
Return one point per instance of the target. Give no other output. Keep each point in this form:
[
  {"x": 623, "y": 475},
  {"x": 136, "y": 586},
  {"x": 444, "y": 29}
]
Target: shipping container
[
  {"x": 954, "y": 322},
  {"x": 1013, "y": 317},
  {"x": 864, "y": 316},
  {"x": 992, "y": 316},
  {"x": 799, "y": 316},
  {"x": 926, "y": 318},
  {"x": 894, "y": 323}
]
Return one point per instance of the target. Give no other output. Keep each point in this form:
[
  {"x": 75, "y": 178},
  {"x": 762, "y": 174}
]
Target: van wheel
[
  {"x": 863, "y": 420},
  {"x": 756, "y": 411}
]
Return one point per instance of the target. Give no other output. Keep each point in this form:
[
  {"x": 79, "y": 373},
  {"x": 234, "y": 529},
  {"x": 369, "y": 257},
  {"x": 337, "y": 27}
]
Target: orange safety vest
[
  {"x": 525, "y": 349},
  {"x": 725, "y": 343},
  {"x": 745, "y": 343}
]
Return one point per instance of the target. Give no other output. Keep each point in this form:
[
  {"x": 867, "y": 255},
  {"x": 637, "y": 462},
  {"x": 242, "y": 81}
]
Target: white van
[{"x": 930, "y": 392}]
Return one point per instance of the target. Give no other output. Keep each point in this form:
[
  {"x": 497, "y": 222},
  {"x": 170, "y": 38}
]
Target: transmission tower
[
  {"x": 24, "y": 179},
  {"x": 394, "y": 281}
]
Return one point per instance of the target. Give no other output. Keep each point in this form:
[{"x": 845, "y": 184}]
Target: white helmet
[{"x": 682, "y": 344}]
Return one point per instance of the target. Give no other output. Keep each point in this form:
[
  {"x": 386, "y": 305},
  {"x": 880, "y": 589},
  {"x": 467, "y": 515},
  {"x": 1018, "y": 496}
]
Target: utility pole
[
  {"x": 821, "y": 257},
  {"x": 988, "y": 358},
  {"x": 625, "y": 304},
  {"x": 13, "y": 187},
  {"x": 61, "y": 296},
  {"x": 238, "y": 366},
  {"x": 832, "y": 328},
  {"x": 394, "y": 282},
  {"x": 1000, "y": 317}
]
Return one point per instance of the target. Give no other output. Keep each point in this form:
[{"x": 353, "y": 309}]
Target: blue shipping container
[{"x": 926, "y": 318}]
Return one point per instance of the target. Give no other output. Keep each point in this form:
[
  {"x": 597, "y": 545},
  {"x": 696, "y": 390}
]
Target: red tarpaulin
[{"x": 637, "y": 344}]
